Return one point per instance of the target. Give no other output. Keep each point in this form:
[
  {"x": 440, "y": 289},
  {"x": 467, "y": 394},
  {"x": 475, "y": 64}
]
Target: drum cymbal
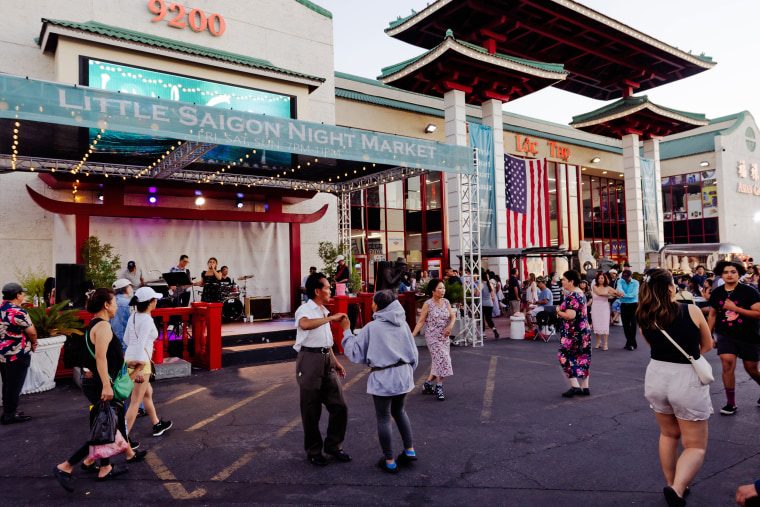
[{"x": 246, "y": 277}]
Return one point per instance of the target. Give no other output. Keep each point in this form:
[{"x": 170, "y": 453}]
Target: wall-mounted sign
[
  {"x": 196, "y": 18},
  {"x": 754, "y": 174},
  {"x": 526, "y": 145}
]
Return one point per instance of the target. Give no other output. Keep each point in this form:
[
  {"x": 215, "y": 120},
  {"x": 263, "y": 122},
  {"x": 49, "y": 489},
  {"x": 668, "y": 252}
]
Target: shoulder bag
[
  {"x": 122, "y": 385},
  {"x": 701, "y": 366},
  {"x": 152, "y": 376}
]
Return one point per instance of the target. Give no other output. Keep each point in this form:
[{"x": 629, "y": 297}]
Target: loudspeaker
[
  {"x": 260, "y": 308},
  {"x": 70, "y": 284}
]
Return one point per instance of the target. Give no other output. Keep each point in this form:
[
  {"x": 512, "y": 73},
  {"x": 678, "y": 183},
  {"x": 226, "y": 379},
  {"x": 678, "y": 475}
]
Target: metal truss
[
  {"x": 377, "y": 179},
  {"x": 344, "y": 225},
  {"x": 49, "y": 165},
  {"x": 469, "y": 250},
  {"x": 176, "y": 160}
]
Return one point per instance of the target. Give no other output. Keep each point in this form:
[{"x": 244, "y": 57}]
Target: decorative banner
[
  {"x": 481, "y": 138},
  {"x": 649, "y": 190},
  {"x": 79, "y": 106}
]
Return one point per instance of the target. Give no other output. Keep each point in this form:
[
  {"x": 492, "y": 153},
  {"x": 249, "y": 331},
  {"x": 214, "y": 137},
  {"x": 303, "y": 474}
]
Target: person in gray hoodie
[{"x": 387, "y": 346}]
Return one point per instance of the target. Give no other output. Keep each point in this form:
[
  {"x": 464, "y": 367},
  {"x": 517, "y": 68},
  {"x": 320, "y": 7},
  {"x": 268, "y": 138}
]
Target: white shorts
[
  {"x": 674, "y": 388},
  {"x": 536, "y": 311}
]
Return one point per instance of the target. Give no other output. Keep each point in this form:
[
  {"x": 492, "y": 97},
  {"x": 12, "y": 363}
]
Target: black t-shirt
[
  {"x": 226, "y": 281},
  {"x": 683, "y": 331},
  {"x": 514, "y": 283},
  {"x": 730, "y": 323}
]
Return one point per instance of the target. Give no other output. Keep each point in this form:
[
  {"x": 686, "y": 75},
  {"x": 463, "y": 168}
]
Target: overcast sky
[{"x": 725, "y": 30}]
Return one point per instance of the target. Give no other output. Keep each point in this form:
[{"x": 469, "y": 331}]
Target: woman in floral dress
[
  {"x": 575, "y": 350},
  {"x": 438, "y": 317}
]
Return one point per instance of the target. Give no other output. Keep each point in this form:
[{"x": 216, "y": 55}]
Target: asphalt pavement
[{"x": 503, "y": 436}]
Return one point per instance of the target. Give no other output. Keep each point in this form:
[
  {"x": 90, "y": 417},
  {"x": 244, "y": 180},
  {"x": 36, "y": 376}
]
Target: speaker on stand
[{"x": 70, "y": 284}]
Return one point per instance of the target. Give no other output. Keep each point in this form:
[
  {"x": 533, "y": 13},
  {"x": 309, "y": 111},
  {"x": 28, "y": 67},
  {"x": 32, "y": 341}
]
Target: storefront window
[
  {"x": 414, "y": 250},
  {"x": 413, "y": 194},
  {"x": 357, "y": 198},
  {"x": 376, "y": 196},
  {"x": 433, "y": 189},
  {"x": 690, "y": 208},
  {"x": 572, "y": 201},
  {"x": 395, "y": 245},
  {"x": 553, "y": 204},
  {"x": 376, "y": 243},
  {"x": 376, "y": 219},
  {"x": 394, "y": 194},
  {"x": 604, "y": 215},
  {"x": 358, "y": 246},
  {"x": 395, "y": 220}
]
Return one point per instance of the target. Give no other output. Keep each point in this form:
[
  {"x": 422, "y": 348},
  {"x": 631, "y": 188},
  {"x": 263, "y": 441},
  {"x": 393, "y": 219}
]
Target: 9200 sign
[{"x": 196, "y": 18}]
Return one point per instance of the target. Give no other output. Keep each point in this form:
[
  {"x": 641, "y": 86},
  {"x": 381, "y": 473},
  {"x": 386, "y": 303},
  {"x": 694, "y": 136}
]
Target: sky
[{"x": 725, "y": 30}]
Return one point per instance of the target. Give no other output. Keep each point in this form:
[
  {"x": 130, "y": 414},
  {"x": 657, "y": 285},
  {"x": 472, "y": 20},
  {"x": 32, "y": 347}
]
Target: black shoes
[
  {"x": 585, "y": 392},
  {"x": 139, "y": 456},
  {"x": 93, "y": 467},
  {"x": 387, "y": 468},
  {"x": 161, "y": 427},
  {"x": 672, "y": 497},
  {"x": 428, "y": 388},
  {"x": 495, "y": 334},
  {"x": 729, "y": 410},
  {"x": 439, "y": 393},
  {"x": 134, "y": 444},
  {"x": 115, "y": 472},
  {"x": 340, "y": 455},
  {"x": 63, "y": 478},
  {"x": 141, "y": 413},
  {"x": 18, "y": 417},
  {"x": 318, "y": 460},
  {"x": 405, "y": 459},
  {"x": 629, "y": 347},
  {"x": 573, "y": 391}
]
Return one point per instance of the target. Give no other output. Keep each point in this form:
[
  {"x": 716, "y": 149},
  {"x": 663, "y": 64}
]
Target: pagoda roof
[
  {"x": 637, "y": 115},
  {"x": 456, "y": 64},
  {"x": 605, "y": 58}
]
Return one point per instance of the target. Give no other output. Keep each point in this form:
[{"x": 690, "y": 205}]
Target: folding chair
[{"x": 547, "y": 324}]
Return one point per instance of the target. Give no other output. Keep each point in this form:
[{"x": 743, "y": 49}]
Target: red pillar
[
  {"x": 295, "y": 265},
  {"x": 82, "y": 228}
]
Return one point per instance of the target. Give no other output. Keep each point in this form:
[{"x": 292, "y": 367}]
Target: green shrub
[
  {"x": 33, "y": 280},
  {"x": 100, "y": 262}
]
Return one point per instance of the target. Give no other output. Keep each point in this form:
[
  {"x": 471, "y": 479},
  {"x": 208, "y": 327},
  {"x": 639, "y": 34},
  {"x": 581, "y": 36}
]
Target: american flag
[{"x": 527, "y": 207}]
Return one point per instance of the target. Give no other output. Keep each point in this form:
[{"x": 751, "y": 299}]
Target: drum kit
[{"x": 232, "y": 297}]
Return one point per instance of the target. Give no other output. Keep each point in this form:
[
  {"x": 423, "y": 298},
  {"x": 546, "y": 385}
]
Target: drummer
[{"x": 225, "y": 279}]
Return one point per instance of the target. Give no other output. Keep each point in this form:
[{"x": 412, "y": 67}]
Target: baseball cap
[
  {"x": 340, "y": 258},
  {"x": 627, "y": 272},
  {"x": 120, "y": 283},
  {"x": 614, "y": 271},
  {"x": 144, "y": 294},
  {"x": 130, "y": 264},
  {"x": 12, "y": 289}
]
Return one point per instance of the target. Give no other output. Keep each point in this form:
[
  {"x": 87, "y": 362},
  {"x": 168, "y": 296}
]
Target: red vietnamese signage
[
  {"x": 196, "y": 19},
  {"x": 530, "y": 147}
]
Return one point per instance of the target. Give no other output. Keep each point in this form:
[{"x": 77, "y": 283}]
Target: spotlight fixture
[
  {"x": 200, "y": 201},
  {"x": 100, "y": 196},
  {"x": 153, "y": 199},
  {"x": 239, "y": 203},
  {"x": 430, "y": 128},
  {"x": 596, "y": 160},
  {"x": 704, "y": 163}
]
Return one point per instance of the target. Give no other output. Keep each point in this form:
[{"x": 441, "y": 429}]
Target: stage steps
[{"x": 270, "y": 346}]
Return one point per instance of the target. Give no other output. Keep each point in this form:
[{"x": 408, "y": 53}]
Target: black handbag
[{"x": 104, "y": 424}]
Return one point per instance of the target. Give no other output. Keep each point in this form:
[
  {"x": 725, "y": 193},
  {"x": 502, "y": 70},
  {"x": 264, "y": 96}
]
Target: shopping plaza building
[{"x": 267, "y": 66}]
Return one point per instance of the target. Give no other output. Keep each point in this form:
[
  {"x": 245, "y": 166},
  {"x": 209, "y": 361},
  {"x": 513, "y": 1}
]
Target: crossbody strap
[{"x": 690, "y": 358}]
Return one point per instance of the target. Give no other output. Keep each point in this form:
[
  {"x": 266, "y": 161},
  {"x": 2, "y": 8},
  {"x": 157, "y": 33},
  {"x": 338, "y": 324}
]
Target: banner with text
[
  {"x": 79, "y": 106},
  {"x": 651, "y": 215},
  {"x": 481, "y": 138}
]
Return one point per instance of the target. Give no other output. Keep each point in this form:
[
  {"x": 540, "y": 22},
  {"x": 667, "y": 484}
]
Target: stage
[{"x": 258, "y": 342}]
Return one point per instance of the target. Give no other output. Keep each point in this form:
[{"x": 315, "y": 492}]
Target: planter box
[{"x": 41, "y": 374}]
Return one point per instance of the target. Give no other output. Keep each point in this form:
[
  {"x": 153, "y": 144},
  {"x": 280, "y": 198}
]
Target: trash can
[{"x": 517, "y": 326}]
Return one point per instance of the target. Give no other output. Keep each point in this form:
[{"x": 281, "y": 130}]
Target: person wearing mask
[
  {"x": 680, "y": 401},
  {"x": 628, "y": 291},
  {"x": 485, "y": 290},
  {"x": 387, "y": 346},
  {"x": 575, "y": 345},
  {"x": 139, "y": 335},
  {"x": 733, "y": 318},
  {"x": 318, "y": 373},
  {"x": 18, "y": 340},
  {"x": 102, "y": 360},
  {"x": 438, "y": 317},
  {"x": 122, "y": 288}
]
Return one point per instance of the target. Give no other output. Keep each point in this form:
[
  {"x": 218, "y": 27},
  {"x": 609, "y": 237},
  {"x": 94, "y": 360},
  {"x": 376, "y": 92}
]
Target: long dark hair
[{"x": 656, "y": 307}]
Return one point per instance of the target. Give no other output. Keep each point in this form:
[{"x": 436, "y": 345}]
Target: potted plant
[
  {"x": 53, "y": 325},
  {"x": 100, "y": 262}
]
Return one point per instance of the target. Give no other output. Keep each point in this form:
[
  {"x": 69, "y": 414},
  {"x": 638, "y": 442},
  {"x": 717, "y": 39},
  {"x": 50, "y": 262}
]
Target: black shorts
[{"x": 745, "y": 351}]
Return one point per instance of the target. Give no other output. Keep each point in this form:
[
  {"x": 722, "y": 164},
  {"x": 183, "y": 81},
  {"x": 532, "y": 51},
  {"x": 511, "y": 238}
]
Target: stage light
[
  {"x": 704, "y": 163},
  {"x": 100, "y": 196},
  {"x": 153, "y": 199},
  {"x": 200, "y": 201},
  {"x": 430, "y": 128},
  {"x": 239, "y": 203}
]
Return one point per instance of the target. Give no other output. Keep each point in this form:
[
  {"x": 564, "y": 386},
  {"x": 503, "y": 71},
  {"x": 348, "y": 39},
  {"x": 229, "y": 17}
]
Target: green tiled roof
[
  {"x": 400, "y": 20},
  {"x": 626, "y": 104},
  {"x": 316, "y": 8},
  {"x": 547, "y": 67},
  {"x": 700, "y": 143},
  {"x": 173, "y": 45},
  {"x": 439, "y": 113}
]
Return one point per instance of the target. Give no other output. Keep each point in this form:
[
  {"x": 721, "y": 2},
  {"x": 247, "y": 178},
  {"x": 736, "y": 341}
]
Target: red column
[
  {"x": 295, "y": 265},
  {"x": 82, "y": 228}
]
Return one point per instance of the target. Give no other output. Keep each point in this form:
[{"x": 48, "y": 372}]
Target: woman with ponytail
[{"x": 681, "y": 403}]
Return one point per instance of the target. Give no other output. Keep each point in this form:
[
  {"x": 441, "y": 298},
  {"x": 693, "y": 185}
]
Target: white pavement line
[
  {"x": 180, "y": 397},
  {"x": 233, "y": 407},
  {"x": 485, "y": 414}
]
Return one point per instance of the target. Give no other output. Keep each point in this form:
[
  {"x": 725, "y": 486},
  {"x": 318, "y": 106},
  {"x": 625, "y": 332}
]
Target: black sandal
[
  {"x": 63, "y": 478},
  {"x": 92, "y": 467},
  {"x": 139, "y": 456},
  {"x": 114, "y": 472}
]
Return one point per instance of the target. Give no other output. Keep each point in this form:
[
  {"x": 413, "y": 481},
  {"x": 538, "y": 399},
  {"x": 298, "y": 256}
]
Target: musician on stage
[
  {"x": 225, "y": 279},
  {"x": 181, "y": 292},
  {"x": 210, "y": 283}
]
